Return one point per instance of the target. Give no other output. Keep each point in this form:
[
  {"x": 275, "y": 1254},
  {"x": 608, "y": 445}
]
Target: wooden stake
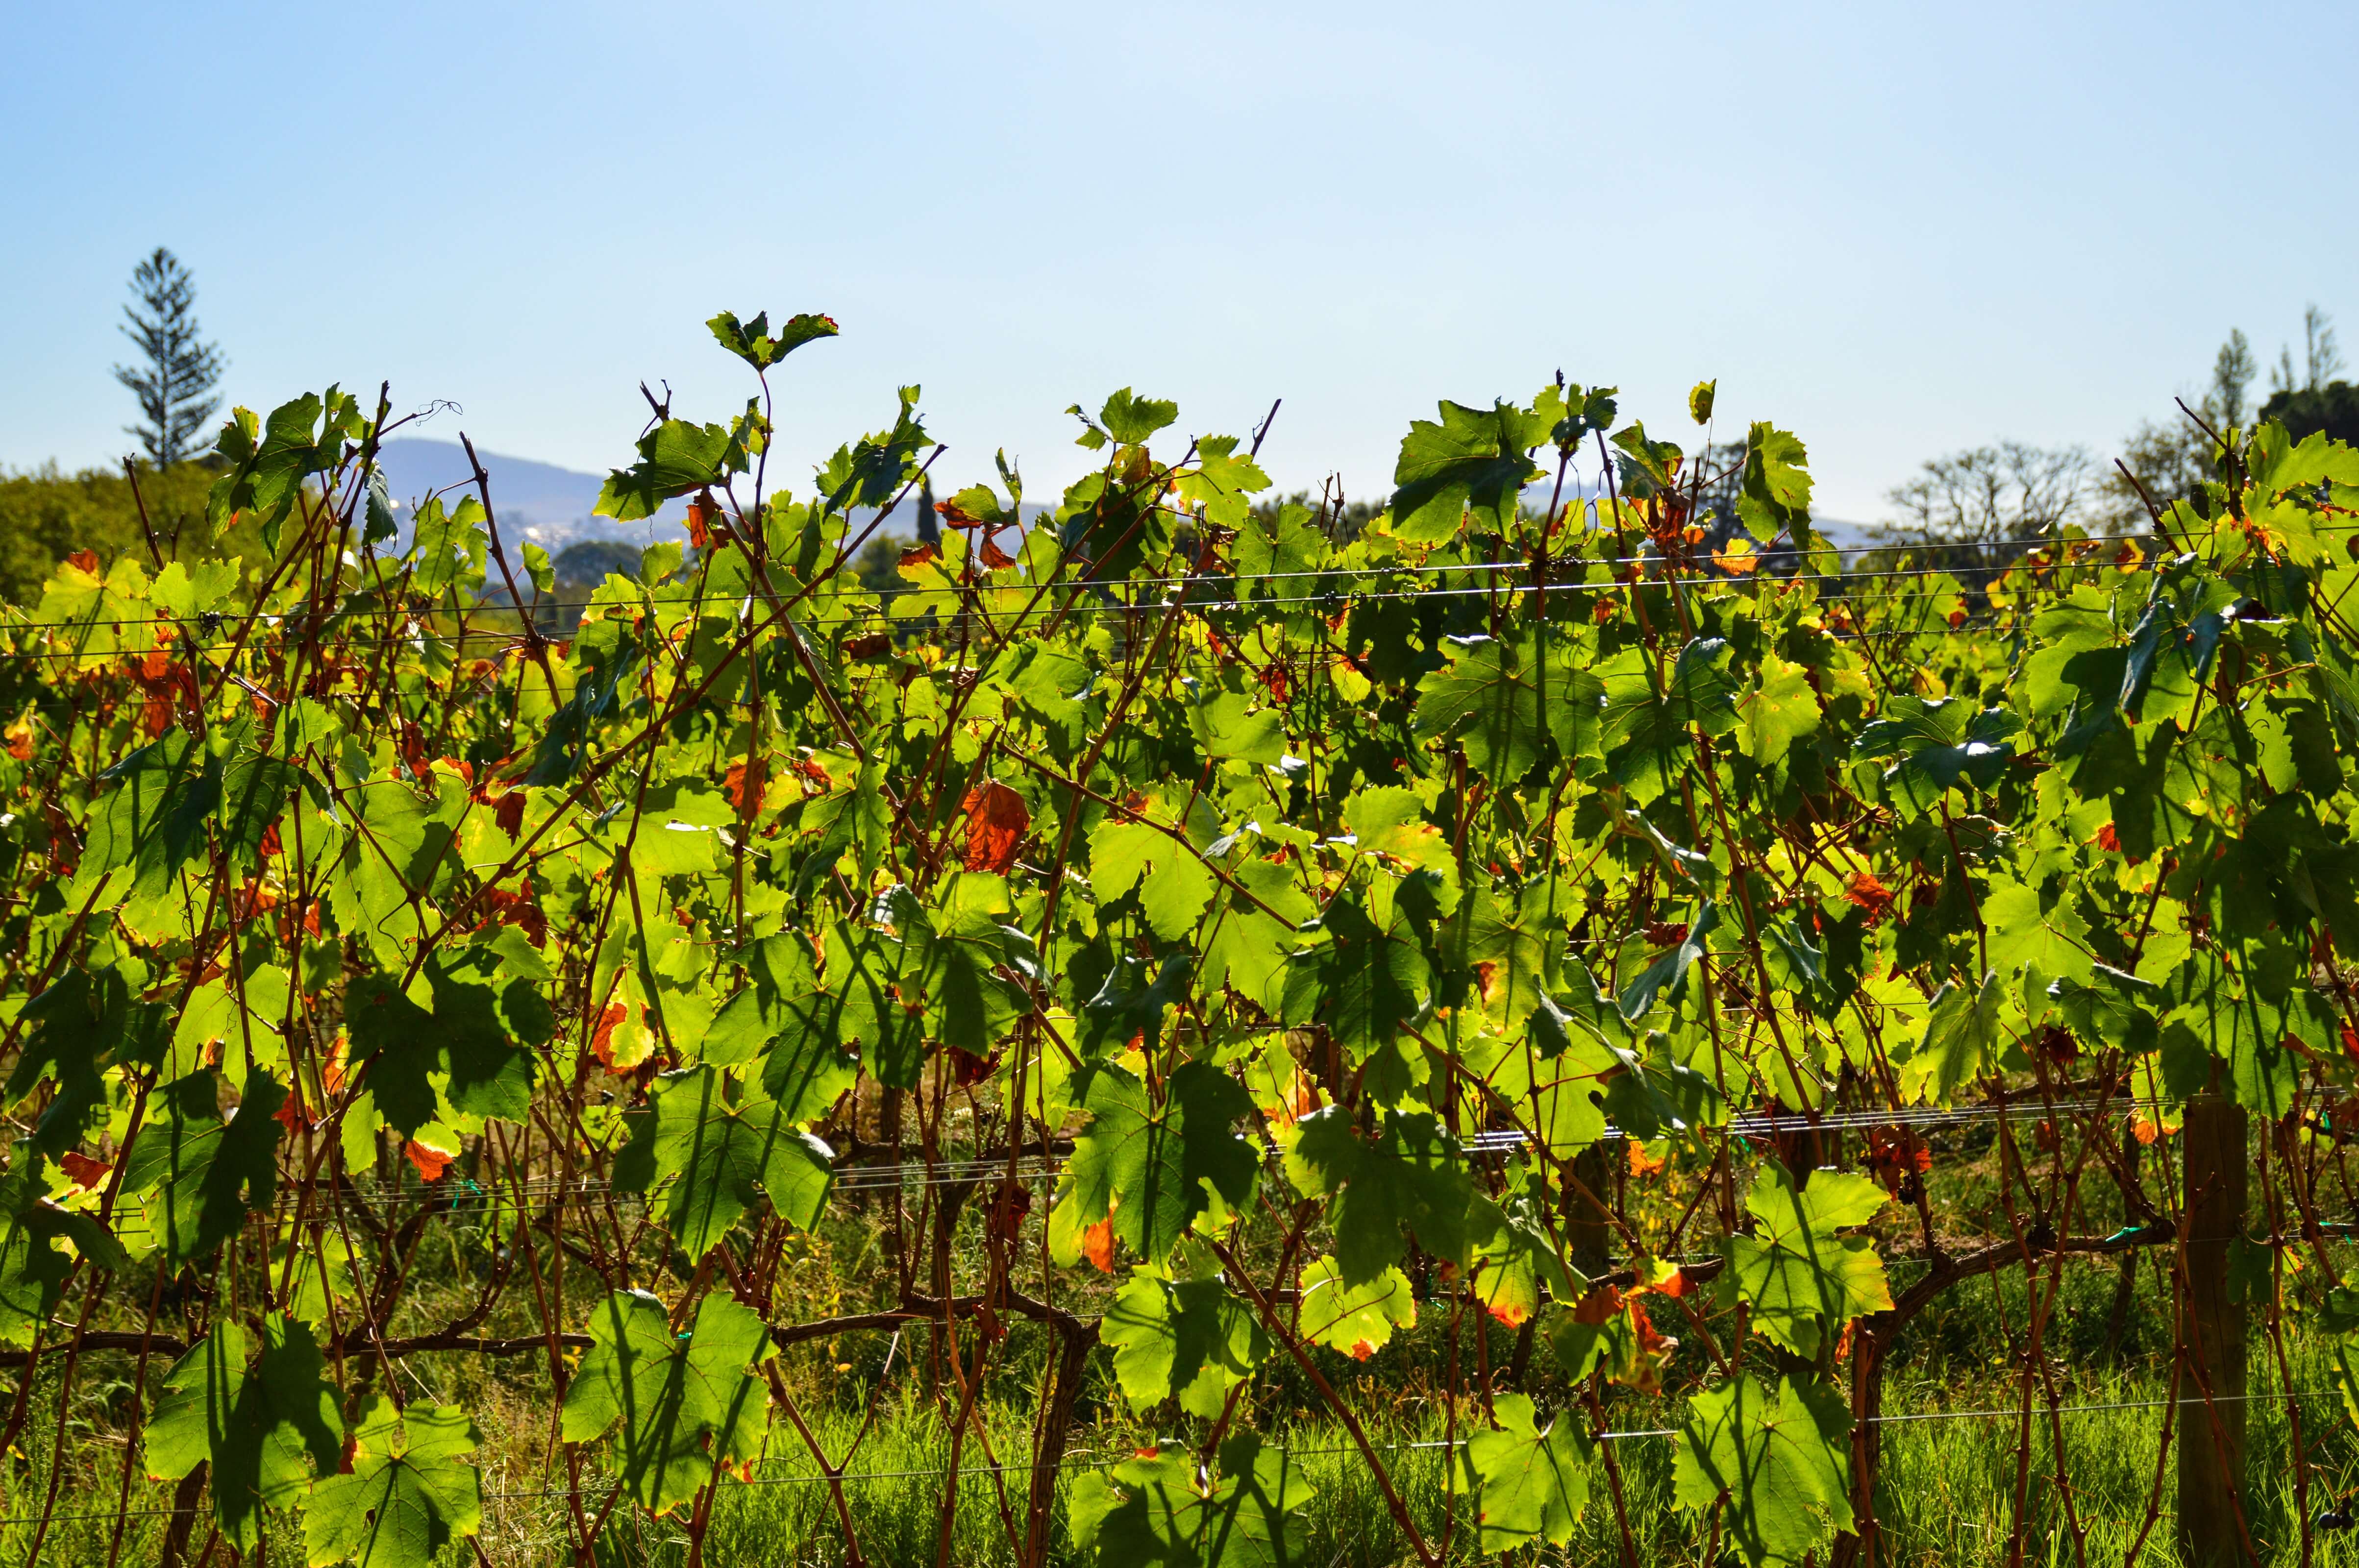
[{"x": 2211, "y": 1441}]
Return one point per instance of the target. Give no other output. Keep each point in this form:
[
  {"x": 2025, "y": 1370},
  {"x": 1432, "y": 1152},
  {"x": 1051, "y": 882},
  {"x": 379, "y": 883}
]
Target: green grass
[
  {"x": 1946, "y": 1496},
  {"x": 1947, "y": 1489}
]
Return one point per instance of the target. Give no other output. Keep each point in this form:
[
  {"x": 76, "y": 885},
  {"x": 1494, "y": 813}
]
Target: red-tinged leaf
[
  {"x": 868, "y": 646},
  {"x": 997, "y": 821},
  {"x": 993, "y": 557},
  {"x": 1650, "y": 1338},
  {"x": 1600, "y": 1306},
  {"x": 503, "y": 907},
  {"x": 2108, "y": 839},
  {"x": 1645, "y": 1164},
  {"x": 509, "y": 813},
  {"x": 86, "y": 560},
  {"x": 957, "y": 516},
  {"x": 1508, "y": 1312},
  {"x": 744, "y": 780},
  {"x": 430, "y": 1163},
  {"x": 602, "y": 1041},
  {"x": 1868, "y": 891},
  {"x": 1361, "y": 1350},
  {"x": 84, "y": 1172},
  {"x": 919, "y": 555}
]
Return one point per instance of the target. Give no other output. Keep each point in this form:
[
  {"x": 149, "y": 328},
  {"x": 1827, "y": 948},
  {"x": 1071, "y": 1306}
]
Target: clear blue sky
[{"x": 1897, "y": 229}]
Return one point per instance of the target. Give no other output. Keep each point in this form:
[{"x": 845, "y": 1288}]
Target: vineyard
[{"x": 1566, "y": 1019}]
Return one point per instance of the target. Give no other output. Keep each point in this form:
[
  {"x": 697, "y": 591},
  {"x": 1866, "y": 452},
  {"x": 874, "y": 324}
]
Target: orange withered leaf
[
  {"x": 1097, "y": 1246},
  {"x": 430, "y": 1163},
  {"x": 997, "y": 821}
]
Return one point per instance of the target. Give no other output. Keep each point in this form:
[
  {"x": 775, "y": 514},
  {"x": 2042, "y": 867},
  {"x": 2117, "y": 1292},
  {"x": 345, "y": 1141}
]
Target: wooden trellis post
[{"x": 2211, "y": 1437}]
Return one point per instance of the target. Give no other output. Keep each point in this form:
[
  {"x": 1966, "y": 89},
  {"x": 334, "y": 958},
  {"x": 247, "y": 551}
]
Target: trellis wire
[{"x": 917, "y": 1175}]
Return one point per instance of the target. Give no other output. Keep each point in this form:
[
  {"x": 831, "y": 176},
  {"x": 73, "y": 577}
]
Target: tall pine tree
[{"x": 177, "y": 374}]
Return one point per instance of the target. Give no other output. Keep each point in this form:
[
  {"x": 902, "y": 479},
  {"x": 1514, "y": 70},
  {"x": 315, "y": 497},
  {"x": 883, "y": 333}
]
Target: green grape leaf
[
  {"x": 754, "y": 342},
  {"x": 1939, "y": 743},
  {"x": 153, "y": 819},
  {"x": 1508, "y": 945},
  {"x": 1513, "y": 1256},
  {"x": 1961, "y": 1040},
  {"x": 1782, "y": 1463},
  {"x": 1256, "y": 932},
  {"x": 1412, "y": 1174},
  {"x": 868, "y": 971},
  {"x": 1173, "y": 884},
  {"x": 1795, "y": 1272},
  {"x": 718, "y": 1155},
  {"x": 1648, "y": 467},
  {"x": 1357, "y": 1320},
  {"x": 685, "y": 1403},
  {"x": 790, "y": 1022},
  {"x": 1775, "y": 494},
  {"x": 677, "y": 458},
  {"x": 1191, "y": 1339},
  {"x": 1534, "y": 1480},
  {"x": 1650, "y": 734},
  {"x": 266, "y": 1428},
  {"x": 410, "y": 1493},
  {"x": 1155, "y": 1509},
  {"x": 1474, "y": 460},
  {"x": 1276, "y": 551},
  {"x": 1778, "y": 712},
  {"x": 1367, "y": 983},
  {"x": 1132, "y": 421},
  {"x": 2056, "y": 940},
  {"x": 950, "y": 958},
  {"x": 871, "y": 470},
  {"x": 1485, "y": 699},
  {"x": 1227, "y": 724},
  {"x": 1153, "y": 1168},
  {"x": 81, "y": 1023},
  {"x": 33, "y": 1272},
  {"x": 447, "y": 546},
  {"x": 1669, "y": 973},
  {"x": 203, "y": 1172}
]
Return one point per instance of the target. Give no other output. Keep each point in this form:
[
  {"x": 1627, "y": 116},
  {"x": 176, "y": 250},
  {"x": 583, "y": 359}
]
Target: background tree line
[{"x": 1973, "y": 507}]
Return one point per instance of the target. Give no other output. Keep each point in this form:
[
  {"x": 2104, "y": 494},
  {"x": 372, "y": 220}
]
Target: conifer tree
[{"x": 177, "y": 372}]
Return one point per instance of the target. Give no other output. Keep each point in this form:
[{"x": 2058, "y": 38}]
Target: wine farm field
[{"x": 1560, "y": 1018}]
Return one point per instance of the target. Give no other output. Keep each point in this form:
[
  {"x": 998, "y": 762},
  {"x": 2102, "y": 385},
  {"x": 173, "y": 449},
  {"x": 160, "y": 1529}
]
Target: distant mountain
[
  {"x": 552, "y": 506},
  {"x": 539, "y": 501}
]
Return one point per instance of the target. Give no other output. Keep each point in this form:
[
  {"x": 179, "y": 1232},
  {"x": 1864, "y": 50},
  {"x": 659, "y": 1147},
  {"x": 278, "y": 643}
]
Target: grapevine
[{"x": 1204, "y": 942}]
